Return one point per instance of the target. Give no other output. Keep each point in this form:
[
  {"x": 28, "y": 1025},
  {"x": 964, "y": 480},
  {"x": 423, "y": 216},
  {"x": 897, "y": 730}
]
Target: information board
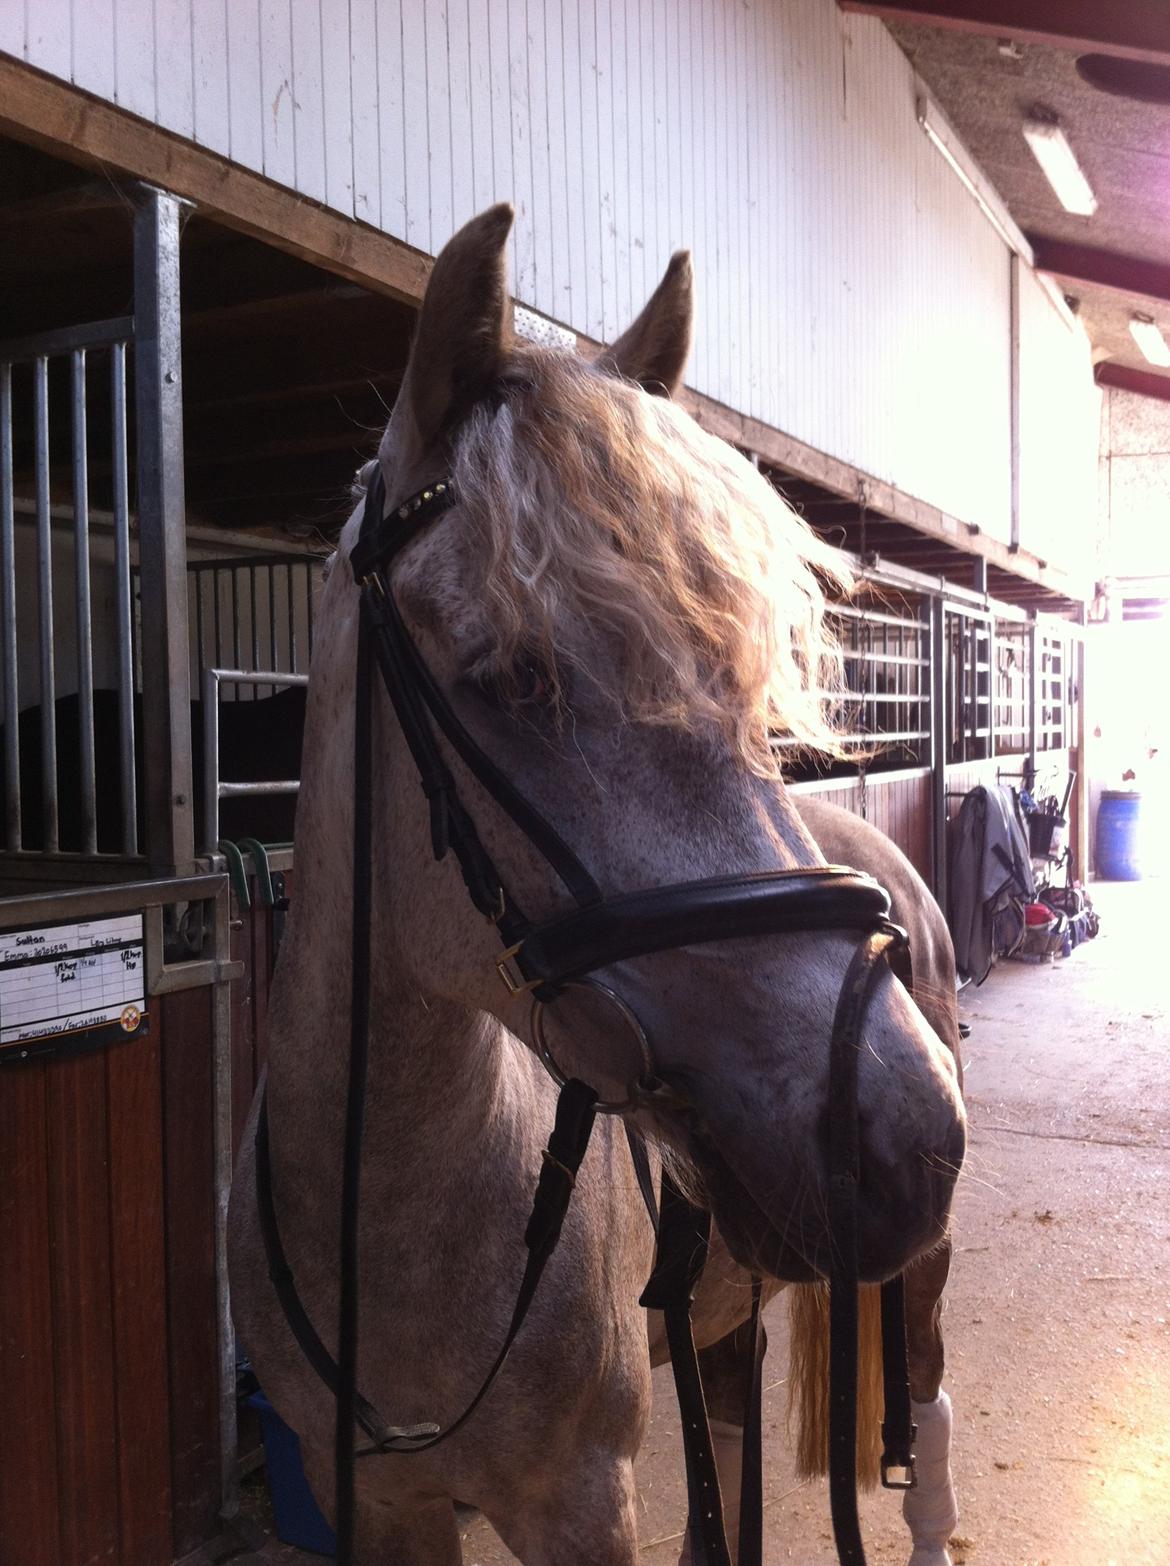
[{"x": 70, "y": 987}]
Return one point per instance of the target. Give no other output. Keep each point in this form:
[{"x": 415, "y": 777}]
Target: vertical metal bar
[
  {"x": 210, "y": 761},
  {"x": 84, "y": 608},
  {"x": 235, "y": 577},
  {"x": 217, "y": 629},
  {"x": 8, "y": 611},
  {"x": 292, "y": 617},
  {"x": 124, "y": 600},
  {"x": 166, "y": 686},
  {"x": 1014, "y": 264},
  {"x": 992, "y": 688},
  {"x": 938, "y": 749},
  {"x": 1032, "y": 745},
  {"x": 49, "y": 838},
  {"x": 272, "y": 664},
  {"x": 255, "y": 627},
  {"x": 198, "y": 574},
  {"x": 309, "y": 605}
]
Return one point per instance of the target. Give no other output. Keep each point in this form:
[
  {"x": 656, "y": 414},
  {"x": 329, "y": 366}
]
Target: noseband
[{"x": 544, "y": 960}]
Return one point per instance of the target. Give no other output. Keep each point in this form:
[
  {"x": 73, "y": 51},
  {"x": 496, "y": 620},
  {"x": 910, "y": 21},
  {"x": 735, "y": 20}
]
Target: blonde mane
[{"x": 599, "y": 503}]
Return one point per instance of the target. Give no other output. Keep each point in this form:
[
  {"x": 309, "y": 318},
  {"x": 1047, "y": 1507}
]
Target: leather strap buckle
[
  {"x": 891, "y": 1470},
  {"x": 510, "y": 972}
]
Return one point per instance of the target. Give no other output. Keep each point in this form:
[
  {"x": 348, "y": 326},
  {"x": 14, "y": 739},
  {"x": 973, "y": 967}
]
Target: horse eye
[{"x": 524, "y": 685}]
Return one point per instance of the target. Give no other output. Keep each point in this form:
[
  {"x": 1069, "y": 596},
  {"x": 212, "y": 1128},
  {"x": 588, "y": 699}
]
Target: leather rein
[{"x": 543, "y": 960}]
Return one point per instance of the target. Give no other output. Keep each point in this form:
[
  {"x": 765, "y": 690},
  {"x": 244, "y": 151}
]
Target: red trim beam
[
  {"x": 1145, "y": 382},
  {"x": 1130, "y": 29},
  {"x": 1106, "y": 268}
]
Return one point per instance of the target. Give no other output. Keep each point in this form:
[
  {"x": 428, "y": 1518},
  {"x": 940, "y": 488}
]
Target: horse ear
[
  {"x": 464, "y": 327},
  {"x": 654, "y": 351}
]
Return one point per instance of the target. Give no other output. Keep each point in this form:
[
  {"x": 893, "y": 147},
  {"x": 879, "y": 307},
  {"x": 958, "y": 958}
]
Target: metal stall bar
[
  {"x": 938, "y": 748},
  {"x": 88, "y": 779},
  {"x": 8, "y": 615},
  {"x": 214, "y": 789},
  {"x": 49, "y": 842},
  {"x": 124, "y": 602},
  {"x": 162, "y": 545}
]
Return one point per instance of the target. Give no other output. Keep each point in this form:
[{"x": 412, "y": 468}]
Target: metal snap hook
[{"x": 628, "y": 1016}]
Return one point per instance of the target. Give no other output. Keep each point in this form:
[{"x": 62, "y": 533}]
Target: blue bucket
[
  {"x": 299, "y": 1520},
  {"x": 1118, "y": 825}
]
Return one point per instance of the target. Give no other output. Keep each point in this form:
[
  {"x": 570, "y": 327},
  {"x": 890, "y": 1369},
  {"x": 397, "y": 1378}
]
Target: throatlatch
[{"x": 543, "y": 960}]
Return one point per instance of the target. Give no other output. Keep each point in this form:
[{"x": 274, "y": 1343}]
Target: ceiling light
[
  {"x": 1148, "y": 336},
  {"x": 1054, "y": 155}
]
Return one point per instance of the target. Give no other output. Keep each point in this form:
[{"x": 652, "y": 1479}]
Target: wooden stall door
[{"x": 85, "y": 1431}]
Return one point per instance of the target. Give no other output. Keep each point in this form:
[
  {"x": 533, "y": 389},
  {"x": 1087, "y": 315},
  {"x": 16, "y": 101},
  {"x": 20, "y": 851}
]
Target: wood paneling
[
  {"x": 779, "y": 141},
  {"x": 29, "y": 1496},
  {"x": 190, "y": 1272},
  {"x": 82, "y": 1309},
  {"x": 897, "y": 803},
  {"x": 84, "y": 1463},
  {"x": 137, "y": 1270}
]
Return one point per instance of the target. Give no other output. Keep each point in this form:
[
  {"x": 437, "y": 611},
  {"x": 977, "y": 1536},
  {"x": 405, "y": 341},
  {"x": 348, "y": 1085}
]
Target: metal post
[
  {"x": 162, "y": 548},
  {"x": 84, "y": 613},
  {"x": 124, "y": 600},
  {"x": 938, "y": 747},
  {"x": 1014, "y": 396},
  {"x": 8, "y": 609},
  {"x": 1033, "y": 699},
  {"x": 49, "y": 841}
]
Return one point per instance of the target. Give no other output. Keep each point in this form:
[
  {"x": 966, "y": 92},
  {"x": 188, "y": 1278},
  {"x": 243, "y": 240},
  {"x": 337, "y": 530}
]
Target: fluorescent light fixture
[
  {"x": 1052, "y": 152},
  {"x": 1148, "y": 336},
  {"x": 945, "y": 141}
]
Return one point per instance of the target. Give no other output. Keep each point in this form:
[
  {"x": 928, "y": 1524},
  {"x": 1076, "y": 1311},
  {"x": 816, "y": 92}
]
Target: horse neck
[{"x": 438, "y": 1070}]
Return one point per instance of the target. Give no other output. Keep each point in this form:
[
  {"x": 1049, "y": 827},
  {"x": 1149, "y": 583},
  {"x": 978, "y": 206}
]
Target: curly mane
[{"x": 601, "y": 503}]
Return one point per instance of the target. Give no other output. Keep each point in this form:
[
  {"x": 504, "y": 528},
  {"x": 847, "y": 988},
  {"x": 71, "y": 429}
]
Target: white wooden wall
[
  {"x": 851, "y": 292},
  {"x": 1060, "y": 415}
]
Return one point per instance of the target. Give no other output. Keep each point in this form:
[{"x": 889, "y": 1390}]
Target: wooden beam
[
  {"x": 60, "y": 119},
  {"x": 1145, "y": 382},
  {"x": 1129, "y": 29},
  {"x": 1105, "y": 268},
  {"x": 806, "y": 462}
]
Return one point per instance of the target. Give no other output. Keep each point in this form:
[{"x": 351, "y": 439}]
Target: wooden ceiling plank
[
  {"x": 1107, "y": 268},
  {"x": 1128, "y": 29},
  {"x": 1145, "y": 382}
]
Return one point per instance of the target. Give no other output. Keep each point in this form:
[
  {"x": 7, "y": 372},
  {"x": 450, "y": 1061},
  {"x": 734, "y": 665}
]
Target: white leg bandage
[
  {"x": 930, "y": 1509},
  {"x": 727, "y": 1439}
]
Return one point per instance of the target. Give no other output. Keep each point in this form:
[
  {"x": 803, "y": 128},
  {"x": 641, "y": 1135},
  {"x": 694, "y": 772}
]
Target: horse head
[{"x": 624, "y": 615}]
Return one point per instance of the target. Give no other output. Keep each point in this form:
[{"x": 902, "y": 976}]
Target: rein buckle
[
  {"x": 891, "y": 1470},
  {"x": 509, "y": 971}
]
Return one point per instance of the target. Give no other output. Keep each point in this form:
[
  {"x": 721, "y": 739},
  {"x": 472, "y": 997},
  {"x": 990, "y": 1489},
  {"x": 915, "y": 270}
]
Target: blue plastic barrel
[
  {"x": 299, "y": 1520},
  {"x": 1117, "y": 836}
]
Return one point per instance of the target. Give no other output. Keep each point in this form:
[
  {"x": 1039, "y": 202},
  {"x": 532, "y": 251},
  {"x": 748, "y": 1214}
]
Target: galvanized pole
[
  {"x": 162, "y": 545},
  {"x": 938, "y": 747}
]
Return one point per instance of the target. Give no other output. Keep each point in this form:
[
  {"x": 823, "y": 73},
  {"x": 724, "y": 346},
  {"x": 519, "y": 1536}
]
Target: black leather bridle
[{"x": 544, "y": 959}]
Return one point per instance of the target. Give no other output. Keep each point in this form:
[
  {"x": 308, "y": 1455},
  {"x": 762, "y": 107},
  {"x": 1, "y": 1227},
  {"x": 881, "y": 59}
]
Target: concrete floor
[{"x": 1057, "y": 1315}]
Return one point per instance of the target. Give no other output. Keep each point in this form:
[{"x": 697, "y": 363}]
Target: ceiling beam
[
  {"x": 1144, "y": 382},
  {"x": 1105, "y": 268},
  {"x": 1129, "y": 29}
]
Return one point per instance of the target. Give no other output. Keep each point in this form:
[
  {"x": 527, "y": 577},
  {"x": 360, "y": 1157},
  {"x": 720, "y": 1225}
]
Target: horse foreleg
[
  {"x": 420, "y": 1531},
  {"x": 930, "y": 1509},
  {"x": 584, "y": 1515}
]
